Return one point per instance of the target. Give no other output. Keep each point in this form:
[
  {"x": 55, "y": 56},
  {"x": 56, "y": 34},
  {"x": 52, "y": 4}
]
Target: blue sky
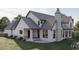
[{"x": 12, "y": 12}]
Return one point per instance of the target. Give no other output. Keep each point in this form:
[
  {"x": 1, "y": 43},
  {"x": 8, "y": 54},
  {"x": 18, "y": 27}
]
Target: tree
[
  {"x": 4, "y": 21},
  {"x": 76, "y": 27},
  {"x": 18, "y": 18},
  {"x": 76, "y": 31}
]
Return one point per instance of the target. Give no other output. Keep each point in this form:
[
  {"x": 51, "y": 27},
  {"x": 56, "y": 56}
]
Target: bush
[
  {"x": 11, "y": 36},
  {"x": 75, "y": 35},
  {"x": 24, "y": 39},
  {"x": 5, "y": 35},
  {"x": 15, "y": 37},
  {"x": 21, "y": 38}
]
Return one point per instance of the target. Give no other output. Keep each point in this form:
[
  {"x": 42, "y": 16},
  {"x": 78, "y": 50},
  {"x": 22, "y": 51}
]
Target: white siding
[
  {"x": 33, "y": 17},
  {"x": 8, "y": 32},
  {"x": 50, "y": 36},
  {"x": 20, "y": 26}
]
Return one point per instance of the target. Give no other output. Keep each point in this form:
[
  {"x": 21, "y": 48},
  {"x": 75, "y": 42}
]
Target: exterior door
[
  {"x": 28, "y": 33},
  {"x": 38, "y": 34}
]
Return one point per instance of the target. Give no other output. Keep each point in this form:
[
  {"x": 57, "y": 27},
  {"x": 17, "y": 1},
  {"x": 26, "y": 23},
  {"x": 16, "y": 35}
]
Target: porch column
[
  {"x": 68, "y": 33},
  {"x": 64, "y": 33},
  {"x": 41, "y": 33},
  {"x": 31, "y": 34}
]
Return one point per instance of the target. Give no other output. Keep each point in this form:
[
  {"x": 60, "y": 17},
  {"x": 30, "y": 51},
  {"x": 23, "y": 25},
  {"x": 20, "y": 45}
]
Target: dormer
[{"x": 41, "y": 22}]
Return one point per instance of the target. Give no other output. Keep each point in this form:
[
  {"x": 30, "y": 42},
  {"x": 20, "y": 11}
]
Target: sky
[{"x": 13, "y": 12}]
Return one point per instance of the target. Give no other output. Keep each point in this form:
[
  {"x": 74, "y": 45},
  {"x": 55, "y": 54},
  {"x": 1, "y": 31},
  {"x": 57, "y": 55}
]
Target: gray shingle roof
[
  {"x": 67, "y": 28},
  {"x": 12, "y": 25},
  {"x": 50, "y": 19},
  {"x": 41, "y": 16},
  {"x": 30, "y": 23},
  {"x": 48, "y": 25}
]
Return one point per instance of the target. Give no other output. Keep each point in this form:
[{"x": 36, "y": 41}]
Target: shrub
[
  {"x": 24, "y": 39},
  {"x": 5, "y": 35},
  {"x": 15, "y": 37},
  {"x": 75, "y": 35},
  {"x": 11, "y": 36},
  {"x": 20, "y": 38}
]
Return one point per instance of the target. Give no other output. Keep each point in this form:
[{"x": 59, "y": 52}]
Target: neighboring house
[
  {"x": 39, "y": 27},
  {"x": 11, "y": 27}
]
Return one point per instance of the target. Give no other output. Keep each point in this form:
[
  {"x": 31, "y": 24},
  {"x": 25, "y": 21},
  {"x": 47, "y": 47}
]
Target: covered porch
[{"x": 35, "y": 34}]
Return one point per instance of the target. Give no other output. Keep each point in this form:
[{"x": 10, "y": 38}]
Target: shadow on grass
[{"x": 63, "y": 45}]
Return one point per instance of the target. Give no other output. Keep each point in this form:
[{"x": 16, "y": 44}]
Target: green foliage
[
  {"x": 18, "y": 17},
  {"x": 4, "y": 21},
  {"x": 76, "y": 27},
  {"x": 76, "y": 31},
  {"x": 76, "y": 35}
]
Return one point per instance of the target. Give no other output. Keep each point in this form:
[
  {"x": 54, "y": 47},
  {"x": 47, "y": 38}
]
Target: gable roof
[
  {"x": 50, "y": 19},
  {"x": 30, "y": 23},
  {"x": 47, "y": 25},
  {"x": 41, "y": 16},
  {"x": 12, "y": 25}
]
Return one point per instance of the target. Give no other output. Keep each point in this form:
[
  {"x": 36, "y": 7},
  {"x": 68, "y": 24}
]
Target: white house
[{"x": 43, "y": 28}]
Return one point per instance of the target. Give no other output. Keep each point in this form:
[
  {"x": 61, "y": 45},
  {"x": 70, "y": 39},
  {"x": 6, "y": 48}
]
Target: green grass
[{"x": 13, "y": 44}]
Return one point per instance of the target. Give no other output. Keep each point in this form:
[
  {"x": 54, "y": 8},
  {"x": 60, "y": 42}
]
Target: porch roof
[
  {"x": 33, "y": 25},
  {"x": 30, "y": 23},
  {"x": 67, "y": 28}
]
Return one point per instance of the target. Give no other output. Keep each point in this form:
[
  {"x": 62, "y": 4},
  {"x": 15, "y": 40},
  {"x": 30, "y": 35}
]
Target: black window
[
  {"x": 70, "y": 33},
  {"x": 66, "y": 33},
  {"x": 20, "y": 31},
  {"x": 43, "y": 21},
  {"x": 54, "y": 34}
]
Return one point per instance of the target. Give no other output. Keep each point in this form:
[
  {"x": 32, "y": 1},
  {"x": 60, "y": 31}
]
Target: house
[
  {"x": 9, "y": 29},
  {"x": 43, "y": 28}
]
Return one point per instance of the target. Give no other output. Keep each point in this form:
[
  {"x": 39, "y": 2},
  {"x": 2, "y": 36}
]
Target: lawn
[{"x": 13, "y": 44}]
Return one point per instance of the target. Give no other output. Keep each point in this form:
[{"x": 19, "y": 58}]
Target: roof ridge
[{"x": 41, "y": 13}]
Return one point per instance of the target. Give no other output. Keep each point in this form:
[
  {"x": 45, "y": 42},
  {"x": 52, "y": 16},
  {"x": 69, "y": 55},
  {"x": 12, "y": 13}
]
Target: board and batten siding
[{"x": 21, "y": 26}]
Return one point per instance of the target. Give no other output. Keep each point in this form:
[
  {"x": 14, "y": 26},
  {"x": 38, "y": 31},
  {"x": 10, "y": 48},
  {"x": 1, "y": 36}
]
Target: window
[
  {"x": 35, "y": 33},
  {"x": 45, "y": 33},
  {"x": 66, "y": 33},
  {"x": 54, "y": 34},
  {"x": 38, "y": 22},
  {"x": 70, "y": 33},
  {"x": 63, "y": 33},
  {"x": 43, "y": 21},
  {"x": 20, "y": 31}
]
